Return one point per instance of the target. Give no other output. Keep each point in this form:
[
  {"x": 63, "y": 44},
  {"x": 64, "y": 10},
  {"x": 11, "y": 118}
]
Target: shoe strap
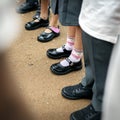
[
  {"x": 64, "y": 49},
  {"x": 37, "y": 14},
  {"x": 36, "y": 18},
  {"x": 69, "y": 61}
]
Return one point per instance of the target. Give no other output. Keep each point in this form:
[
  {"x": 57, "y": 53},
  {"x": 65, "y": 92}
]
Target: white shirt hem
[{"x": 111, "y": 39}]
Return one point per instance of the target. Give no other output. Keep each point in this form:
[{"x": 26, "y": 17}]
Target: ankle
[
  {"x": 52, "y": 24},
  {"x": 44, "y": 17},
  {"x": 70, "y": 43},
  {"x": 55, "y": 29},
  {"x": 61, "y": 49},
  {"x": 76, "y": 55}
]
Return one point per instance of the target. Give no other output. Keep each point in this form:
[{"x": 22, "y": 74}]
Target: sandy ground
[{"x": 40, "y": 89}]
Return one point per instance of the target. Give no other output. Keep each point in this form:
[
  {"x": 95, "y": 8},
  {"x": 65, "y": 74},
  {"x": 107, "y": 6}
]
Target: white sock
[
  {"x": 59, "y": 49},
  {"x": 75, "y": 56},
  {"x": 68, "y": 46},
  {"x": 70, "y": 43}
]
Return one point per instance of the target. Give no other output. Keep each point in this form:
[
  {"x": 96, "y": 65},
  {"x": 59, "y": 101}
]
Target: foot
[
  {"x": 27, "y": 7},
  {"x": 77, "y": 91},
  {"x": 58, "y": 69},
  {"x": 37, "y": 23},
  {"x": 49, "y": 34},
  {"x": 87, "y": 113},
  {"x": 54, "y": 54}
]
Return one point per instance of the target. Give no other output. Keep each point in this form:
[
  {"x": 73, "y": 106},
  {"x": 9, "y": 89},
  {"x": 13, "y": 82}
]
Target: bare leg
[
  {"x": 78, "y": 39},
  {"x": 53, "y": 22},
  {"x": 76, "y": 53},
  {"x": 44, "y": 9},
  {"x": 71, "y": 31}
]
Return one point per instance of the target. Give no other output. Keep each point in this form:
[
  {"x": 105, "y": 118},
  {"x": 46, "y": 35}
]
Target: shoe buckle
[
  {"x": 71, "y": 64},
  {"x": 69, "y": 61}
]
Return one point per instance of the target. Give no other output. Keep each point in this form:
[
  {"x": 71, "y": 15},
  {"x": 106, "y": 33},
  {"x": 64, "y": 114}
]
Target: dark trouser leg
[
  {"x": 88, "y": 80},
  {"x": 98, "y": 53}
]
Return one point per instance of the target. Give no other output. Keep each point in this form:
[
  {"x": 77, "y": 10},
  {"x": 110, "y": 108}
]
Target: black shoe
[
  {"x": 87, "y": 113},
  {"x": 52, "y": 53},
  {"x": 27, "y": 7},
  {"x": 34, "y": 25},
  {"x": 58, "y": 69},
  {"x": 45, "y": 37},
  {"x": 77, "y": 92}
]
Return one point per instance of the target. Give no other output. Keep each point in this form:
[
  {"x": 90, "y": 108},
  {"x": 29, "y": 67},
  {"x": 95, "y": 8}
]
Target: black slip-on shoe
[
  {"x": 77, "y": 91},
  {"x": 58, "y": 69},
  {"x": 87, "y": 113},
  {"x": 46, "y": 37},
  {"x": 52, "y": 53}
]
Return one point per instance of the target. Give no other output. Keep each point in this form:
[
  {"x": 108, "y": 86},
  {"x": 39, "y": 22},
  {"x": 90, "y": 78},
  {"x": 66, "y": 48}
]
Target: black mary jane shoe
[
  {"x": 32, "y": 25},
  {"x": 46, "y": 37},
  {"x": 52, "y": 53},
  {"x": 58, "y": 69}
]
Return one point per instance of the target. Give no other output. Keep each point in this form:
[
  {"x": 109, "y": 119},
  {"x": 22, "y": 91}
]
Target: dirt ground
[{"x": 39, "y": 88}]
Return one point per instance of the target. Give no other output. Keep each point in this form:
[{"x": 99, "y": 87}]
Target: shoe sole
[
  {"x": 36, "y": 27},
  {"x": 47, "y": 40},
  {"x": 66, "y": 72}
]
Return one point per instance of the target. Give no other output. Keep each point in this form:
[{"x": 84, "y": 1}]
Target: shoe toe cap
[
  {"x": 54, "y": 66},
  {"x": 67, "y": 91},
  {"x": 18, "y": 10},
  {"x": 57, "y": 68},
  {"x": 40, "y": 38},
  {"x": 27, "y": 26},
  {"x": 52, "y": 52}
]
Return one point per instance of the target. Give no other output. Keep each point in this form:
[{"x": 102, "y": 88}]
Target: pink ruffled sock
[
  {"x": 55, "y": 29},
  {"x": 75, "y": 56},
  {"x": 69, "y": 44}
]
